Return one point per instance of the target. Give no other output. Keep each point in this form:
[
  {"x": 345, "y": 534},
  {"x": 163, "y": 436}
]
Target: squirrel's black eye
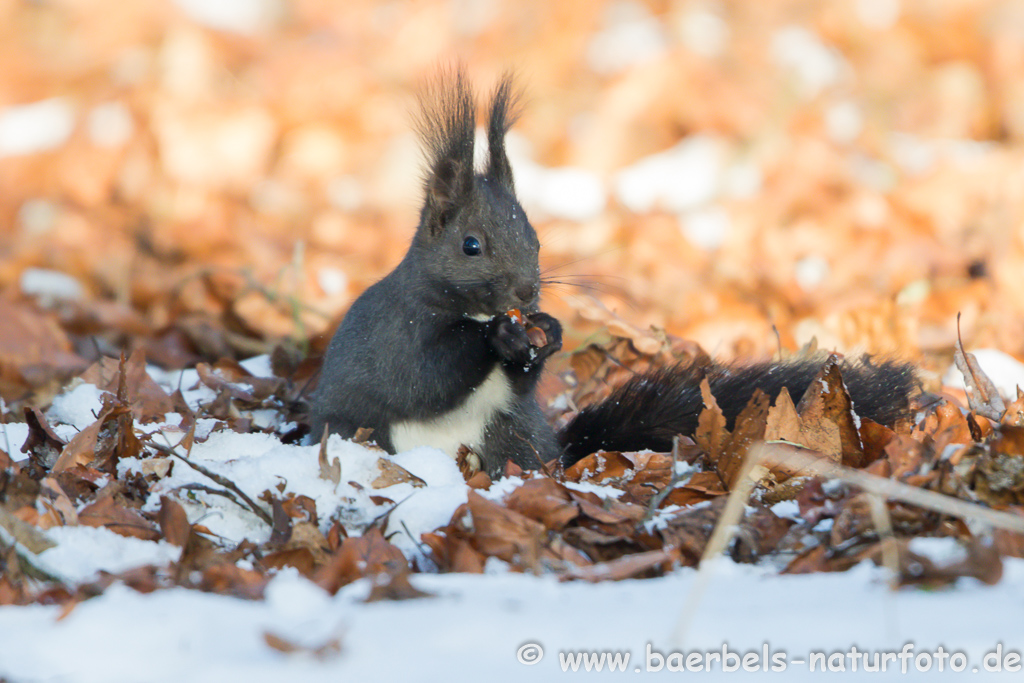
[{"x": 471, "y": 246}]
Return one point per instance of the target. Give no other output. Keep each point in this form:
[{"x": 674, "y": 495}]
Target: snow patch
[
  {"x": 844, "y": 122},
  {"x": 1005, "y": 371},
  {"x": 566, "y": 192},
  {"x": 879, "y": 15},
  {"x": 83, "y": 551},
  {"x": 707, "y": 227},
  {"x": 37, "y": 127},
  {"x": 236, "y": 16},
  {"x": 941, "y": 551},
  {"x": 259, "y": 366},
  {"x": 110, "y": 125},
  {"x": 77, "y": 407},
  {"x": 703, "y": 31},
  {"x": 50, "y": 286},
  {"x": 631, "y": 36},
  {"x": 811, "y": 271},
  {"x": 678, "y": 179},
  {"x": 815, "y": 65},
  {"x": 13, "y": 436}
]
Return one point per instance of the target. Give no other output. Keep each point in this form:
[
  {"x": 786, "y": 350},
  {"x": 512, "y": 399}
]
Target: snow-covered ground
[
  {"x": 475, "y": 625},
  {"x": 491, "y": 626}
]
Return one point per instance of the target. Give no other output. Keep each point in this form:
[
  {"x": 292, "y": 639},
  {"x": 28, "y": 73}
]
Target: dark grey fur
[
  {"x": 409, "y": 347},
  {"x": 413, "y": 348}
]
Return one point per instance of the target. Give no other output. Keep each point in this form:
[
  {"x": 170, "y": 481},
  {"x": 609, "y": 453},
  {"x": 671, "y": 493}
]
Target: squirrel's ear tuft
[
  {"x": 447, "y": 125},
  {"x": 504, "y": 112}
]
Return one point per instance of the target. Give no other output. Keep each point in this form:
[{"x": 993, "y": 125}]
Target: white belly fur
[{"x": 463, "y": 425}]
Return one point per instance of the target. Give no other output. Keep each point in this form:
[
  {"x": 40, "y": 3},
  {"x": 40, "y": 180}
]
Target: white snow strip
[{"x": 37, "y": 127}]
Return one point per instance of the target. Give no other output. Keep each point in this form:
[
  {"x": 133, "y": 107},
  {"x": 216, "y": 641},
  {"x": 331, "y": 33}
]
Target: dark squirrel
[{"x": 429, "y": 355}]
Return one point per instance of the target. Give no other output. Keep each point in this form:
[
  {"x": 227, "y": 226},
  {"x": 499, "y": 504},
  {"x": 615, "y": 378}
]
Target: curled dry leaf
[
  {"x": 328, "y": 650},
  {"x": 826, "y": 414},
  {"x": 504, "y": 533},
  {"x": 331, "y": 471},
  {"x": 148, "y": 401},
  {"x": 392, "y": 473},
  {"x": 626, "y": 567},
  {"x": 109, "y": 512},
  {"x": 982, "y": 562},
  {"x": 359, "y": 556},
  {"x": 173, "y": 522},
  {"x": 982, "y": 395}
]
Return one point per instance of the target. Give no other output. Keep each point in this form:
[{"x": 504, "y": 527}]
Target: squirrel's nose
[{"x": 527, "y": 293}]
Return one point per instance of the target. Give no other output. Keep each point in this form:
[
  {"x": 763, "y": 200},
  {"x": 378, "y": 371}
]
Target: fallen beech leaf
[
  {"x": 26, "y": 534},
  {"x": 229, "y": 579},
  {"x": 546, "y": 501},
  {"x": 56, "y": 499},
  {"x": 299, "y": 558},
  {"x": 1007, "y": 542},
  {"x": 480, "y": 481},
  {"x": 758, "y": 534},
  {"x": 874, "y": 437},
  {"x": 599, "y": 466},
  {"x": 392, "y": 473},
  {"x": 626, "y": 567},
  {"x": 328, "y": 650},
  {"x": 982, "y": 563},
  {"x": 504, "y": 533},
  {"x": 359, "y": 556},
  {"x": 749, "y": 429},
  {"x": 1014, "y": 414},
  {"x": 109, "y": 513},
  {"x": 262, "y": 387},
  {"x": 468, "y": 462},
  {"x": 452, "y": 552},
  {"x": 818, "y": 559},
  {"x": 148, "y": 401},
  {"x": 43, "y": 445},
  {"x": 81, "y": 450},
  {"x": 330, "y": 471},
  {"x": 783, "y": 422},
  {"x": 213, "y": 380},
  {"x": 30, "y": 338},
  {"x": 826, "y": 414},
  {"x": 905, "y": 455},
  {"x": 711, "y": 434},
  {"x": 982, "y": 395},
  {"x": 395, "y": 586},
  {"x": 689, "y": 530},
  {"x": 173, "y": 522}
]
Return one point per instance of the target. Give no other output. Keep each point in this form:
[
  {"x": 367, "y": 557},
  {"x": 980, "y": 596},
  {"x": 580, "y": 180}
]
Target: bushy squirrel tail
[{"x": 649, "y": 410}]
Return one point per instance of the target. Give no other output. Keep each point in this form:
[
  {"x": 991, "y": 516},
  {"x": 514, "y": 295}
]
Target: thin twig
[
  {"x": 883, "y": 525},
  {"x": 223, "y": 481},
  {"x": 735, "y": 504},
  {"x": 804, "y": 460},
  {"x": 212, "y": 491}
]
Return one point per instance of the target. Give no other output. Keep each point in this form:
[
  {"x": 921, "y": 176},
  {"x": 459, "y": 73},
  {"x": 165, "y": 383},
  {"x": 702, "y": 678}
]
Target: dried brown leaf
[
  {"x": 359, "y": 556},
  {"x": 108, "y": 512}
]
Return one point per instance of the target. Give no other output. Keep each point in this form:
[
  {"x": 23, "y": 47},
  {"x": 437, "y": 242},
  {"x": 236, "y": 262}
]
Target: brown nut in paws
[{"x": 537, "y": 337}]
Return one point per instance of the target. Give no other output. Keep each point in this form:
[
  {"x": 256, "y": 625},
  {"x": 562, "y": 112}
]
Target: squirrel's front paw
[
  {"x": 526, "y": 339},
  {"x": 552, "y": 334},
  {"x": 509, "y": 339}
]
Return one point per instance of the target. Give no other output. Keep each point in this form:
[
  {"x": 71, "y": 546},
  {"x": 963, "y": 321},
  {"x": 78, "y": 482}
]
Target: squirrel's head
[{"x": 474, "y": 244}]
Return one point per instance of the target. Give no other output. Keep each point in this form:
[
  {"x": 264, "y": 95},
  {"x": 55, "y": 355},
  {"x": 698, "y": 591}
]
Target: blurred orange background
[{"x": 849, "y": 171}]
